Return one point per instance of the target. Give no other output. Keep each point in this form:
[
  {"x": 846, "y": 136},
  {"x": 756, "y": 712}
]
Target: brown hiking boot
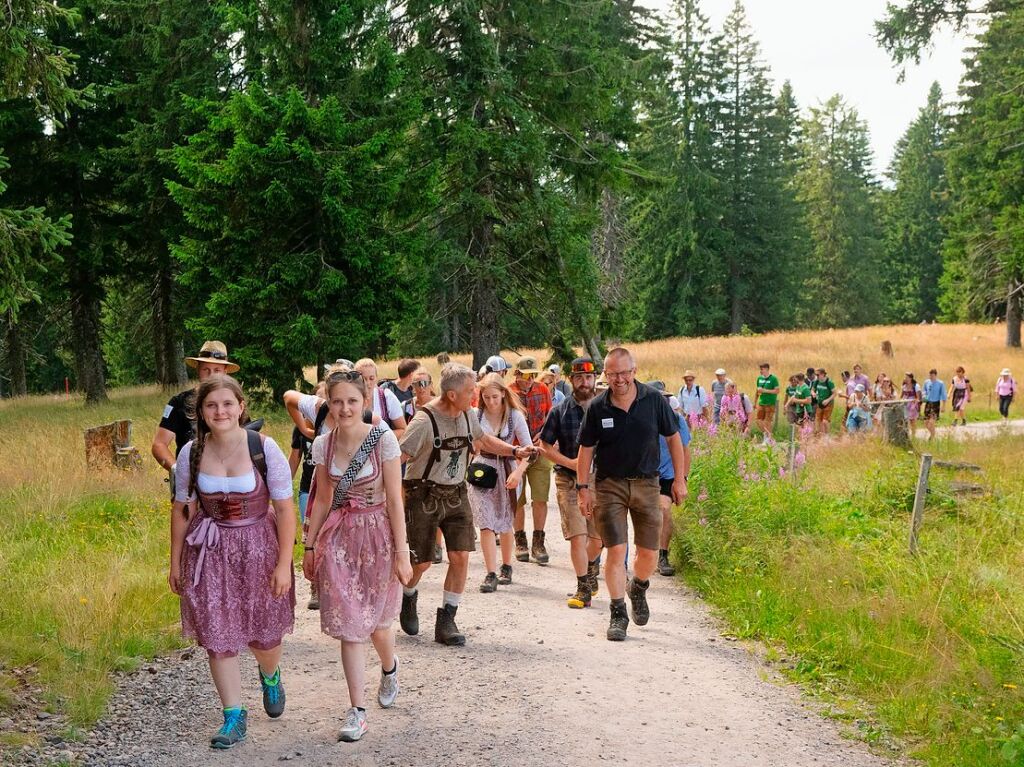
[
  {"x": 539, "y": 553},
  {"x": 581, "y": 598},
  {"x": 619, "y": 622},
  {"x": 593, "y": 570},
  {"x": 522, "y": 551},
  {"x": 445, "y": 630}
]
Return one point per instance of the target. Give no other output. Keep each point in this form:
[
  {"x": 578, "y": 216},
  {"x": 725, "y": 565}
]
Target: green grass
[
  {"x": 933, "y": 645},
  {"x": 84, "y": 560}
]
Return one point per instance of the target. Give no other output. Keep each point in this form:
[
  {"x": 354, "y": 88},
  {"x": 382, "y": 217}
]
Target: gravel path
[
  {"x": 975, "y": 429},
  {"x": 536, "y": 684}
]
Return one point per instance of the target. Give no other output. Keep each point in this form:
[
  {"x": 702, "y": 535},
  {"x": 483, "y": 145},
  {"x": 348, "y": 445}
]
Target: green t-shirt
[
  {"x": 823, "y": 390},
  {"x": 803, "y": 391},
  {"x": 767, "y": 382}
]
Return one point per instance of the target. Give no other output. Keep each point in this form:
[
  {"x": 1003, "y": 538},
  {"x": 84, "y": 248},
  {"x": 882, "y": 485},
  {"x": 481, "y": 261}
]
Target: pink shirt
[{"x": 1006, "y": 386}]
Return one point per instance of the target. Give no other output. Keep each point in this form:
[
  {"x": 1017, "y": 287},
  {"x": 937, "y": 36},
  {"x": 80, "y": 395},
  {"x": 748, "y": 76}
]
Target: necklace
[{"x": 216, "y": 453}]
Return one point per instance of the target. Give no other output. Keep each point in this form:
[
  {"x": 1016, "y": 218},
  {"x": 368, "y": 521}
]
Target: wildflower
[
  {"x": 782, "y": 472},
  {"x": 703, "y": 521},
  {"x": 83, "y": 601},
  {"x": 799, "y": 459},
  {"x": 712, "y": 429},
  {"x": 703, "y": 494}
]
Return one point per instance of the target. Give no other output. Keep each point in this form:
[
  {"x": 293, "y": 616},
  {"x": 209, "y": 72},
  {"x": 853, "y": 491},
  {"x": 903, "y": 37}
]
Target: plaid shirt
[
  {"x": 562, "y": 428},
  {"x": 537, "y": 403}
]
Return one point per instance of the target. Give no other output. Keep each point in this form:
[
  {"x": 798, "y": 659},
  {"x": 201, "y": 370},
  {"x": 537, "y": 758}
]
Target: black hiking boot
[
  {"x": 408, "y": 618},
  {"x": 522, "y": 550},
  {"x": 505, "y": 575},
  {"x": 490, "y": 584},
  {"x": 619, "y": 622},
  {"x": 445, "y": 630},
  {"x": 273, "y": 693},
  {"x": 664, "y": 566},
  {"x": 638, "y": 601},
  {"x": 537, "y": 550}
]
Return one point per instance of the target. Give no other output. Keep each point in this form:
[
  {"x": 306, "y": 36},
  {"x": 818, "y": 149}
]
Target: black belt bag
[{"x": 482, "y": 475}]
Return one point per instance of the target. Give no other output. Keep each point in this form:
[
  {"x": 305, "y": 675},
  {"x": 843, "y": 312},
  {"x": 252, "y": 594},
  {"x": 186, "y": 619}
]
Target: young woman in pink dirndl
[{"x": 356, "y": 550}]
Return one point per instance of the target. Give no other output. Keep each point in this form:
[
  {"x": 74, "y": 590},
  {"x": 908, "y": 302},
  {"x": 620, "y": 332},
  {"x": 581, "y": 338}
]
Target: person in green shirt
[
  {"x": 799, "y": 408},
  {"x": 767, "y": 396},
  {"x": 825, "y": 394}
]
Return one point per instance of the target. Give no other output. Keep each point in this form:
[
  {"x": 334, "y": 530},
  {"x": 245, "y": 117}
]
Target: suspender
[{"x": 435, "y": 453}]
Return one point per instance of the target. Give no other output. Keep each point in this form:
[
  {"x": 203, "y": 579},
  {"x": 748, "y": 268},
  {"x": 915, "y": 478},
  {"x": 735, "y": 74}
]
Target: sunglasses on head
[
  {"x": 213, "y": 355},
  {"x": 583, "y": 367},
  {"x": 344, "y": 375}
]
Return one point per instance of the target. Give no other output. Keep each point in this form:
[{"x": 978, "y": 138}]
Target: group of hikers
[
  {"x": 390, "y": 470},
  {"x": 810, "y": 399}
]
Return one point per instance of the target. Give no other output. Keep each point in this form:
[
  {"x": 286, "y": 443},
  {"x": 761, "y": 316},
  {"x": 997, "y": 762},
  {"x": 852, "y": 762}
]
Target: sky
[{"x": 825, "y": 47}]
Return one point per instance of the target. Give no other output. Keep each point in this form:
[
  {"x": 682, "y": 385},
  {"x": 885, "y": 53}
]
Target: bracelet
[{"x": 403, "y": 551}]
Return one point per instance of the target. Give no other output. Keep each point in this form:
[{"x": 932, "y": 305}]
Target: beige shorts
[
  {"x": 538, "y": 477},
  {"x": 573, "y": 521}
]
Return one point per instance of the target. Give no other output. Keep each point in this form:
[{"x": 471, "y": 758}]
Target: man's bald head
[{"x": 620, "y": 355}]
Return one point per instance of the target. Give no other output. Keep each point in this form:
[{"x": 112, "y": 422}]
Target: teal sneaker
[
  {"x": 273, "y": 693},
  {"x": 233, "y": 730}
]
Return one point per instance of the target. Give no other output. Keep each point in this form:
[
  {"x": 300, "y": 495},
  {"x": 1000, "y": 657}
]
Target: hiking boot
[
  {"x": 664, "y": 566},
  {"x": 408, "y": 618},
  {"x": 619, "y": 622},
  {"x": 388, "y": 689},
  {"x": 437, "y": 554},
  {"x": 581, "y": 598},
  {"x": 638, "y": 602},
  {"x": 354, "y": 727},
  {"x": 522, "y": 551},
  {"x": 593, "y": 570},
  {"x": 273, "y": 693},
  {"x": 233, "y": 731},
  {"x": 505, "y": 575},
  {"x": 445, "y": 630},
  {"x": 314, "y": 598},
  {"x": 537, "y": 550},
  {"x": 490, "y": 583}
]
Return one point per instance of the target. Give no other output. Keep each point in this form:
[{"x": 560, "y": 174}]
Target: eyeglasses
[
  {"x": 622, "y": 374},
  {"x": 344, "y": 375},
  {"x": 213, "y": 355},
  {"x": 421, "y": 384}
]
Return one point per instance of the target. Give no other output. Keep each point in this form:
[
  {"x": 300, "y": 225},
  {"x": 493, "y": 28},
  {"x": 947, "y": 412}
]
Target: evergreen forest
[{"x": 305, "y": 180}]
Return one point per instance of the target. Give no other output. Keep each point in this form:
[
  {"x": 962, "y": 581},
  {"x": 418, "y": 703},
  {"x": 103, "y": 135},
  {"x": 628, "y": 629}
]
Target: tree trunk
[
  {"x": 16, "y": 359},
  {"x": 85, "y": 333},
  {"x": 170, "y": 368},
  {"x": 1013, "y": 314},
  {"x": 485, "y": 305}
]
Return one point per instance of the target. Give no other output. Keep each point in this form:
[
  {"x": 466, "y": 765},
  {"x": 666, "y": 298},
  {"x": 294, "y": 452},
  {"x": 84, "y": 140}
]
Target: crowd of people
[{"x": 390, "y": 470}]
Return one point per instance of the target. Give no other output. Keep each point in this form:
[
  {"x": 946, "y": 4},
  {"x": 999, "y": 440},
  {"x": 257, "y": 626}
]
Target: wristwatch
[{"x": 583, "y": 486}]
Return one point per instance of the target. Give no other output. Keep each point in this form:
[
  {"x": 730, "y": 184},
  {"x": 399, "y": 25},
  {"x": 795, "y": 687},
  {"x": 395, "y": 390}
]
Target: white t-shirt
[
  {"x": 388, "y": 445},
  {"x": 394, "y": 407},
  {"x": 309, "y": 404}
]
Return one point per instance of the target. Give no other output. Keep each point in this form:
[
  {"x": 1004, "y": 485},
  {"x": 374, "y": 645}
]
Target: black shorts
[
  {"x": 931, "y": 409},
  {"x": 665, "y": 487}
]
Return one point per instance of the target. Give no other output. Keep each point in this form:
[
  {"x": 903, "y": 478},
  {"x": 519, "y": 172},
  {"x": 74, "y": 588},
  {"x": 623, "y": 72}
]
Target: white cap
[
  {"x": 554, "y": 369},
  {"x": 720, "y": 372},
  {"x": 1006, "y": 372},
  {"x": 496, "y": 363},
  {"x": 859, "y": 387}
]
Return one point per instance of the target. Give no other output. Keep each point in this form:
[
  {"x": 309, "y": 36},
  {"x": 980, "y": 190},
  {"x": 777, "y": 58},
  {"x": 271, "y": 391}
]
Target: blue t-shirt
[{"x": 665, "y": 470}]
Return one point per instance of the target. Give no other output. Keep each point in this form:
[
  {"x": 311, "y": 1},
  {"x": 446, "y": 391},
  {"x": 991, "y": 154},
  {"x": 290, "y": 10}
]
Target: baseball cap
[
  {"x": 556, "y": 369},
  {"x": 527, "y": 365},
  {"x": 583, "y": 365},
  {"x": 496, "y": 363},
  {"x": 720, "y": 372},
  {"x": 859, "y": 387}
]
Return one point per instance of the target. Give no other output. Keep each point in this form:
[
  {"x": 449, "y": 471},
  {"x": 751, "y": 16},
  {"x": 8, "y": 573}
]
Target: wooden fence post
[{"x": 919, "y": 497}]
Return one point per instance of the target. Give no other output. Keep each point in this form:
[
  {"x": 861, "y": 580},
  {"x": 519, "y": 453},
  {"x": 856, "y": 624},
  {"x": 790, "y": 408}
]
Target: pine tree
[
  {"x": 839, "y": 194},
  {"x": 984, "y": 250},
  {"x": 914, "y": 230}
]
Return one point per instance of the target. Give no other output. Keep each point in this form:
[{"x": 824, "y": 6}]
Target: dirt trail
[
  {"x": 536, "y": 684},
  {"x": 976, "y": 430}
]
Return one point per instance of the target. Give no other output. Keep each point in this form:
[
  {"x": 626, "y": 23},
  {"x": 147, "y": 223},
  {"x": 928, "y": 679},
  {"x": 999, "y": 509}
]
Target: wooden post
[
  {"x": 919, "y": 498},
  {"x": 894, "y": 425}
]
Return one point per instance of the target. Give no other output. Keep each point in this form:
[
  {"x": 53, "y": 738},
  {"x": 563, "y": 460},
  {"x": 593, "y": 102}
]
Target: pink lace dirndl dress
[
  {"x": 355, "y": 549},
  {"x": 226, "y": 566}
]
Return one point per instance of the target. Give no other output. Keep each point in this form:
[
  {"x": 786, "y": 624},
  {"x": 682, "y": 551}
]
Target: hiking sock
[
  {"x": 360, "y": 709},
  {"x": 408, "y": 591},
  {"x": 233, "y": 709},
  {"x": 641, "y": 584},
  {"x": 663, "y": 553},
  {"x": 393, "y": 669},
  {"x": 620, "y": 602},
  {"x": 273, "y": 679},
  {"x": 450, "y": 598}
]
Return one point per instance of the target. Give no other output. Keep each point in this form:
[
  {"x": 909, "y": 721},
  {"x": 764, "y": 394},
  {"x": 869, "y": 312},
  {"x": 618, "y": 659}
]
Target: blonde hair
[
  {"x": 365, "y": 362},
  {"x": 510, "y": 400}
]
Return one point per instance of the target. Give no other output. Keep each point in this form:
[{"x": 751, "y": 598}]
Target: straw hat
[
  {"x": 689, "y": 374},
  {"x": 214, "y": 353}
]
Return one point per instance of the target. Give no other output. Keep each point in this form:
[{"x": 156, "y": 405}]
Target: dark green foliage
[{"x": 914, "y": 213}]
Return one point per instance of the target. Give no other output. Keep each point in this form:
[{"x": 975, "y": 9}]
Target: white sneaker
[
  {"x": 354, "y": 727},
  {"x": 388, "y": 690}
]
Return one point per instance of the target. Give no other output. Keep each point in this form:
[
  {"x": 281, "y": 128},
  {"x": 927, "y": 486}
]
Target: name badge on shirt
[
  {"x": 607, "y": 423},
  {"x": 168, "y": 409}
]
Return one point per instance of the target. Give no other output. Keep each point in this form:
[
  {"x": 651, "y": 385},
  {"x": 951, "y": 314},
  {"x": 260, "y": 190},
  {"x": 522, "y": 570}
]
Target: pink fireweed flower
[
  {"x": 799, "y": 459},
  {"x": 703, "y": 521},
  {"x": 703, "y": 494}
]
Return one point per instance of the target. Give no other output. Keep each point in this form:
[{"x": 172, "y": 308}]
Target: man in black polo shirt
[
  {"x": 619, "y": 434},
  {"x": 177, "y": 423},
  {"x": 559, "y": 443}
]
